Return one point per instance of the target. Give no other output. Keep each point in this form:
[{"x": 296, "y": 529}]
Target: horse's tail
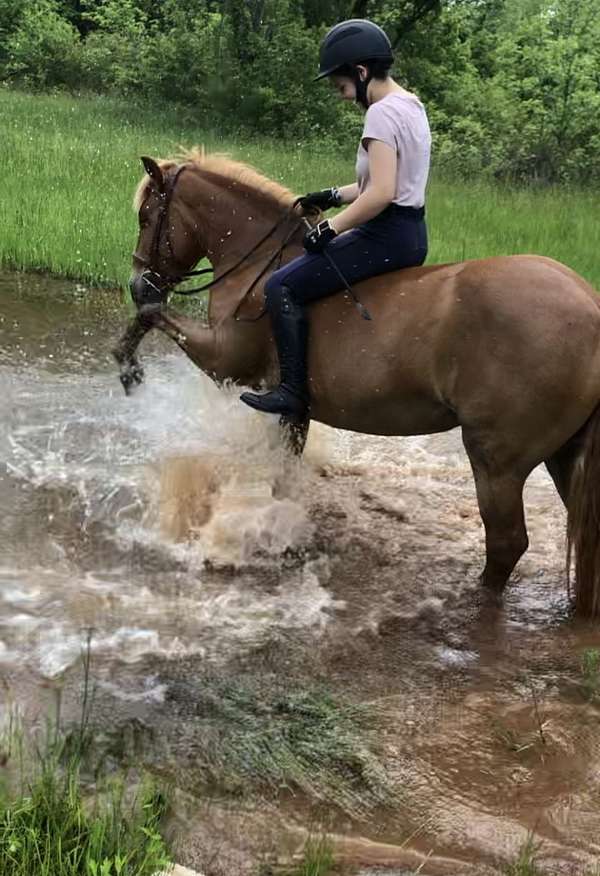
[{"x": 583, "y": 528}]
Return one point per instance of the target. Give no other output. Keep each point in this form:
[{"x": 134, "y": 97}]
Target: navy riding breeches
[{"x": 395, "y": 238}]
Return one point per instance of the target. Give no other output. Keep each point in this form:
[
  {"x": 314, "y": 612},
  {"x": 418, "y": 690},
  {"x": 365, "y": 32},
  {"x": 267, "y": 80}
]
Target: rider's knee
[{"x": 274, "y": 289}]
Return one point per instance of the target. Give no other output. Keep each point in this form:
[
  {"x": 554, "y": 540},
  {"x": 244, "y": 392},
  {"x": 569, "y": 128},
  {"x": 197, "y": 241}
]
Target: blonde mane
[{"x": 221, "y": 165}]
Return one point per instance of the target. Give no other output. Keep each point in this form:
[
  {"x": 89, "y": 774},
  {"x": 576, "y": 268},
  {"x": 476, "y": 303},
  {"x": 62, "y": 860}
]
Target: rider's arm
[
  {"x": 379, "y": 192},
  {"x": 349, "y": 194}
]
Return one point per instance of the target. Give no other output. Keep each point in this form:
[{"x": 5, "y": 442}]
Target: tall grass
[
  {"x": 55, "y": 822},
  {"x": 70, "y": 166},
  {"x": 49, "y": 831}
]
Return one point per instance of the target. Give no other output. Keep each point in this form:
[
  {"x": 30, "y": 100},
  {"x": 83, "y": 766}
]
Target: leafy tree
[
  {"x": 43, "y": 47},
  {"x": 547, "y": 67}
]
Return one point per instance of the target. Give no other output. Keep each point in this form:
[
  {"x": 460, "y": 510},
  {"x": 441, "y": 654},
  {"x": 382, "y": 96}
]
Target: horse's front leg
[
  {"x": 131, "y": 372},
  {"x": 294, "y": 433}
]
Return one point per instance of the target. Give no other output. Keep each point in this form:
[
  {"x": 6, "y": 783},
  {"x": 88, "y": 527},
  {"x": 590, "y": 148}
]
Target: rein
[{"x": 166, "y": 197}]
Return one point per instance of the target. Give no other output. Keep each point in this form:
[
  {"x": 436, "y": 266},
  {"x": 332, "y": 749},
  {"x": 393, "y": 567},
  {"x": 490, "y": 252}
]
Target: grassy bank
[
  {"x": 71, "y": 165},
  {"x": 53, "y": 822}
]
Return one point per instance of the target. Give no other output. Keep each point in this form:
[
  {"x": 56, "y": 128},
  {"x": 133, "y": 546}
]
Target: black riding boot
[{"x": 290, "y": 330}]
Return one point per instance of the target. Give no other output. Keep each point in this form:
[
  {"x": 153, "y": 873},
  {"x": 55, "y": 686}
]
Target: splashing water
[{"x": 114, "y": 506}]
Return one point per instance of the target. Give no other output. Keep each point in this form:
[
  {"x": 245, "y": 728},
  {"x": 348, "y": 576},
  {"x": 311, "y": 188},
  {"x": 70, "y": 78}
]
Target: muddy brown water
[{"x": 171, "y": 524}]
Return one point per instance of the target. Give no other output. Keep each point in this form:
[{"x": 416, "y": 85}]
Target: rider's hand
[
  {"x": 318, "y": 237},
  {"x": 323, "y": 200}
]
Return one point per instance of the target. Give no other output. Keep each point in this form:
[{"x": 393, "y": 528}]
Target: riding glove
[
  {"x": 318, "y": 237},
  {"x": 324, "y": 200}
]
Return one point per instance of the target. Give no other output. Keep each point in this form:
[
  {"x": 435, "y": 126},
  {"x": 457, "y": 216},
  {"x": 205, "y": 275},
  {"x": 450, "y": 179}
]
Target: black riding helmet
[{"x": 349, "y": 43}]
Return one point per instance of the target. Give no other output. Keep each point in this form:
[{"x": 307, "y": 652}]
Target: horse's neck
[{"x": 234, "y": 220}]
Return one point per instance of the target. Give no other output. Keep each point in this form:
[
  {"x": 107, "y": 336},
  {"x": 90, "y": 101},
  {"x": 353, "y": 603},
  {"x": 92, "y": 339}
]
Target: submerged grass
[
  {"x": 252, "y": 738},
  {"x": 71, "y": 165}
]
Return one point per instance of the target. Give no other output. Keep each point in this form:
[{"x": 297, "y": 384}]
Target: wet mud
[{"x": 172, "y": 525}]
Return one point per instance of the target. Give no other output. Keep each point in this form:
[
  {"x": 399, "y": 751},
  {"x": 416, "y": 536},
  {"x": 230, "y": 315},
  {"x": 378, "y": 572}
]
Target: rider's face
[{"x": 345, "y": 86}]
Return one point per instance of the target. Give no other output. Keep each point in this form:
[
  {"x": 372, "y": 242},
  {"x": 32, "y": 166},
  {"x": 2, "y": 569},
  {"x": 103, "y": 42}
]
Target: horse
[{"x": 507, "y": 348}]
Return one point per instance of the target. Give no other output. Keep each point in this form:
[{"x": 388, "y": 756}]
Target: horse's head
[{"x": 168, "y": 244}]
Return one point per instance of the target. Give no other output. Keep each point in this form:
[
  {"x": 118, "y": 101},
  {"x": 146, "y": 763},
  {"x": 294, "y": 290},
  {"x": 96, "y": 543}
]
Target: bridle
[{"x": 146, "y": 276}]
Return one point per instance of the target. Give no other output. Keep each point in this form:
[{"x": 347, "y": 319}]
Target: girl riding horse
[{"x": 381, "y": 230}]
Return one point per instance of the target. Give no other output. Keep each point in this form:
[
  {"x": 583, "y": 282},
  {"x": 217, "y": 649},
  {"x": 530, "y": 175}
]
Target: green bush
[
  {"x": 115, "y": 51},
  {"x": 43, "y": 49}
]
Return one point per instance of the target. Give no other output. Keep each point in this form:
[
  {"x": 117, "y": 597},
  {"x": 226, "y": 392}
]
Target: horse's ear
[{"x": 153, "y": 171}]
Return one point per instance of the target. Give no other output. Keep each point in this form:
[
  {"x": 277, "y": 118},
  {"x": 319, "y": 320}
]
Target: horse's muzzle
[{"x": 146, "y": 289}]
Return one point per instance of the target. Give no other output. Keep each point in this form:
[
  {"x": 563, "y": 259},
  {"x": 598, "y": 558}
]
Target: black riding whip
[{"x": 361, "y": 307}]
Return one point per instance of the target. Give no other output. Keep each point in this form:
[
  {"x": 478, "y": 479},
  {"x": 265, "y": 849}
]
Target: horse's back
[
  {"x": 460, "y": 343},
  {"x": 480, "y": 272}
]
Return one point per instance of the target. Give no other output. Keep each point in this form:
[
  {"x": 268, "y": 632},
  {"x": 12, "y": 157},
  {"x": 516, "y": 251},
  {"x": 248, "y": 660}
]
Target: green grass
[
  {"x": 54, "y": 824},
  {"x": 317, "y": 860},
  {"x": 590, "y": 672},
  {"x": 525, "y": 862},
  {"x": 70, "y": 166}
]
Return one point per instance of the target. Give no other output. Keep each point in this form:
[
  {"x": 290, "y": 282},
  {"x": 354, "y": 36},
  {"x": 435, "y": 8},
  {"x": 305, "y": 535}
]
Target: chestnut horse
[{"x": 508, "y": 348}]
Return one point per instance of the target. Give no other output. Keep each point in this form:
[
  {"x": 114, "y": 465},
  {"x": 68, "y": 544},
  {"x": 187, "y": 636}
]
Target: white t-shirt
[{"x": 399, "y": 120}]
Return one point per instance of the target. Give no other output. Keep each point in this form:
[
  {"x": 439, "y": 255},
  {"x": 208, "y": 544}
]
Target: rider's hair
[{"x": 379, "y": 68}]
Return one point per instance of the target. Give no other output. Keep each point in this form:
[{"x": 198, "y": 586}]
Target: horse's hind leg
[{"x": 500, "y": 499}]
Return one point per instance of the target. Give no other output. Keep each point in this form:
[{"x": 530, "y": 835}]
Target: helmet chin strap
[{"x": 361, "y": 88}]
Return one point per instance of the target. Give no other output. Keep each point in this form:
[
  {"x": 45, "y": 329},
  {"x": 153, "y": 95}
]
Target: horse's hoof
[
  {"x": 126, "y": 383},
  {"x": 131, "y": 376}
]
